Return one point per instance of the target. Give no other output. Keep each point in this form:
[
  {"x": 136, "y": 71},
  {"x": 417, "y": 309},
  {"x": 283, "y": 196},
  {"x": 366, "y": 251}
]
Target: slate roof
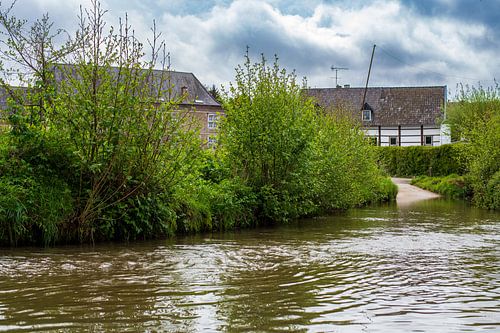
[
  {"x": 172, "y": 83},
  {"x": 20, "y": 92},
  {"x": 391, "y": 106}
]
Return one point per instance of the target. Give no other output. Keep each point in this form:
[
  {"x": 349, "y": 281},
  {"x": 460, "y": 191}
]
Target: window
[
  {"x": 428, "y": 140},
  {"x": 367, "y": 115},
  {"x": 393, "y": 141},
  {"x": 212, "y": 142},
  {"x": 184, "y": 91},
  {"x": 373, "y": 140},
  {"x": 212, "y": 121}
]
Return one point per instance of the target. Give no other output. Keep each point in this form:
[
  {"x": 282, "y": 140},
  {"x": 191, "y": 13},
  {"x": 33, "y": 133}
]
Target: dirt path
[{"x": 408, "y": 194}]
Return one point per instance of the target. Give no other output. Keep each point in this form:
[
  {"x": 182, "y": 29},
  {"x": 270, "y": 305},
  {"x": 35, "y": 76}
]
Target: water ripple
[{"x": 375, "y": 270}]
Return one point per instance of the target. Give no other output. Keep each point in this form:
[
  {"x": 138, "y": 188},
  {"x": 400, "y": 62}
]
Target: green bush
[
  {"x": 343, "y": 169},
  {"x": 146, "y": 216},
  {"x": 267, "y": 138},
  {"x": 233, "y": 205},
  {"x": 35, "y": 199},
  {"x": 476, "y": 119},
  {"x": 492, "y": 195},
  {"x": 452, "y": 186},
  {"x": 385, "y": 190},
  {"x": 297, "y": 160},
  {"x": 421, "y": 160}
]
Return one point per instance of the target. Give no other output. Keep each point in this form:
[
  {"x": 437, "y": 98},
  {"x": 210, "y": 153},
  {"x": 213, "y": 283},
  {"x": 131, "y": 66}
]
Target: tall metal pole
[{"x": 368, "y": 78}]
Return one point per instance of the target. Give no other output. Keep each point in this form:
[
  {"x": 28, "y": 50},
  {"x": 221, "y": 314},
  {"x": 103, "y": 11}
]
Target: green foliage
[
  {"x": 452, "y": 186},
  {"x": 267, "y": 137},
  {"x": 34, "y": 201},
  {"x": 233, "y": 205},
  {"x": 343, "y": 167},
  {"x": 384, "y": 190},
  {"x": 92, "y": 136},
  {"x": 215, "y": 93},
  {"x": 473, "y": 109},
  {"x": 13, "y": 211},
  {"x": 145, "y": 216},
  {"x": 475, "y": 118},
  {"x": 422, "y": 160},
  {"x": 94, "y": 153},
  {"x": 296, "y": 160}
]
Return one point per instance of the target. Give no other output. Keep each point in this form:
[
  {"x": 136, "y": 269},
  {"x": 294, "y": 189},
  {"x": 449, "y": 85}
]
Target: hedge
[
  {"x": 422, "y": 160},
  {"x": 452, "y": 186}
]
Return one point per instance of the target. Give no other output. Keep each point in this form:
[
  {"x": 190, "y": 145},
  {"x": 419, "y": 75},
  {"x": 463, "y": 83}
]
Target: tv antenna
[{"x": 337, "y": 69}]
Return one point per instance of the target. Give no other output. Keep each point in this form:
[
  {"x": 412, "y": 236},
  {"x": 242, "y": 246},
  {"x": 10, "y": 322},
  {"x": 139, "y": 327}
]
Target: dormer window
[
  {"x": 184, "y": 91},
  {"x": 366, "y": 115}
]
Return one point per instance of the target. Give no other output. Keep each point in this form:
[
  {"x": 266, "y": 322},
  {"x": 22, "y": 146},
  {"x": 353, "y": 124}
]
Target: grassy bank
[{"x": 451, "y": 186}]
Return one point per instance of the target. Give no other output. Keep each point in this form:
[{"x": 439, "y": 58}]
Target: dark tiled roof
[
  {"x": 172, "y": 83},
  {"x": 391, "y": 106},
  {"x": 19, "y": 92}
]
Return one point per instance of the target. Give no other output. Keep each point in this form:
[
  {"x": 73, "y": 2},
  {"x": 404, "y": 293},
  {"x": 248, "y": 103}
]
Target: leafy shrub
[
  {"x": 476, "y": 119},
  {"x": 452, "y": 186},
  {"x": 422, "y": 160},
  {"x": 385, "y": 190},
  {"x": 267, "y": 138},
  {"x": 233, "y": 205},
  {"x": 35, "y": 200},
  {"x": 344, "y": 169},
  {"x": 13, "y": 211},
  {"x": 146, "y": 216}
]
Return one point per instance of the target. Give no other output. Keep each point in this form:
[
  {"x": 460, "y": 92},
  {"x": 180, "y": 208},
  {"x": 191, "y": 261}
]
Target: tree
[
  {"x": 475, "y": 118},
  {"x": 267, "y": 136},
  {"x": 215, "y": 93},
  {"x": 26, "y": 56},
  {"x": 129, "y": 147}
]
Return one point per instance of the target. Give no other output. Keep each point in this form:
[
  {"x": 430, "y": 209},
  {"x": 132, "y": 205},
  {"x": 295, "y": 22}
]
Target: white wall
[
  {"x": 410, "y": 136},
  {"x": 445, "y": 134}
]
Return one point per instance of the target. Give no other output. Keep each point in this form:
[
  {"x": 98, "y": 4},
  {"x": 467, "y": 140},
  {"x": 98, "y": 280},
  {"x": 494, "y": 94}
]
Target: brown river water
[{"x": 431, "y": 267}]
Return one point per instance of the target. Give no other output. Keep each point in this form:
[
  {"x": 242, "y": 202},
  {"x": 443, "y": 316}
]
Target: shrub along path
[{"x": 409, "y": 194}]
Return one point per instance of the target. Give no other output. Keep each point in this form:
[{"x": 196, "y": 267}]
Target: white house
[{"x": 393, "y": 116}]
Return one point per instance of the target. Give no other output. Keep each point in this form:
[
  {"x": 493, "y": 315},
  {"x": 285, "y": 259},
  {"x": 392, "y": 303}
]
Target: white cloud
[
  {"x": 212, "y": 44},
  {"x": 309, "y": 37}
]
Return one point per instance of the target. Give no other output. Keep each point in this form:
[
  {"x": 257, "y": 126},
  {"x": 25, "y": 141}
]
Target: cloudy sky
[{"x": 419, "y": 42}]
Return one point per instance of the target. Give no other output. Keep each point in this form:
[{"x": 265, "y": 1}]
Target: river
[{"x": 431, "y": 267}]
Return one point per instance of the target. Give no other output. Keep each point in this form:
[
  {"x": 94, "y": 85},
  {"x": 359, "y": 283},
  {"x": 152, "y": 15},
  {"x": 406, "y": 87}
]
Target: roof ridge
[
  {"x": 154, "y": 69},
  {"x": 377, "y": 87}
]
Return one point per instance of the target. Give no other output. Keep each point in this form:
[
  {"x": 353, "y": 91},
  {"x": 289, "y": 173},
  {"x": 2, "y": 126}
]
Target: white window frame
[
  {"x": 368, "y": 113},
  {"x": 211, "y": 142},
  {"x": 212, "y": 121}
]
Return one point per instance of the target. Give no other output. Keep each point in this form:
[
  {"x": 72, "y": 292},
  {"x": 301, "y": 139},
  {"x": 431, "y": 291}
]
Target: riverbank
[{"x": 409, "y": 194}]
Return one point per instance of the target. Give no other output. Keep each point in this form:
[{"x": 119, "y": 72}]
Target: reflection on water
[{"x": 433, "y": 267}]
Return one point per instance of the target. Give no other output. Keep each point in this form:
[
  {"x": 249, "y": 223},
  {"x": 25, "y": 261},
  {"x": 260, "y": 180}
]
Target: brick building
[{"x": 183, "y": 88}]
